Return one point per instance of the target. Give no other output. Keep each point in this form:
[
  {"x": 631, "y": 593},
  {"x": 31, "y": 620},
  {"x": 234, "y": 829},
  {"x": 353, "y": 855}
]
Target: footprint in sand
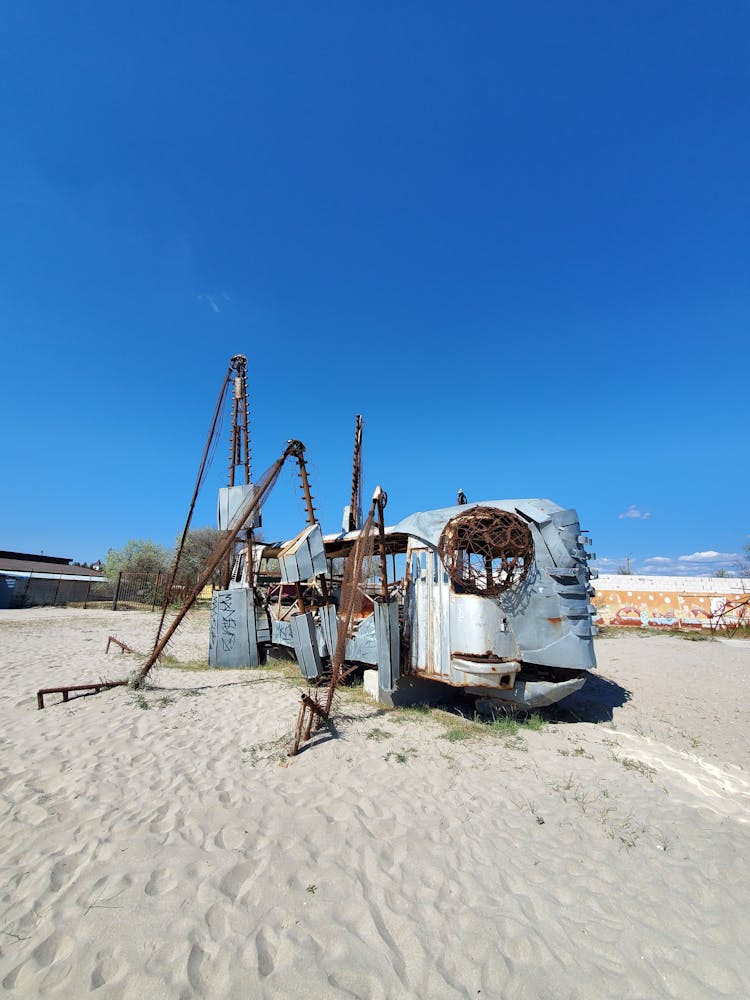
[
  {"x": 266, "y": 954},
  {"x": 159, "y": 823},
  {"x": 106, "y": 967},
  {"x": 160, "y": 882},
  {"x": 194, "y": 963},
  {"x": 58, "y": 876},
  {"x": 230, "y": 838},
  {"x": 232, "y": 883},
  {"x": 216, "y": 922},
  {"x": 56, "y": 948}
]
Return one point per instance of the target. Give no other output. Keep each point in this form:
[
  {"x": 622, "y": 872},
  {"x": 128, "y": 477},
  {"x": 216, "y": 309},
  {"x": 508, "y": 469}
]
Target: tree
[
  {"x": 722, "y": 573},
  {"x": 139, "y": 555},
  {"x": 199, "y": 546}
]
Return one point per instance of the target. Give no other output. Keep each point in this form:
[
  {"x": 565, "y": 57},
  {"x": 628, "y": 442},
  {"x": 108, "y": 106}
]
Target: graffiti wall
[{"x": 671, "y": 601}]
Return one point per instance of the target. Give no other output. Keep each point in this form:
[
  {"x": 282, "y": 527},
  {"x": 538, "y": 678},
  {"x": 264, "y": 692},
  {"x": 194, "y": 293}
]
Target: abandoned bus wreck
[{"x": 492, "y": 598}]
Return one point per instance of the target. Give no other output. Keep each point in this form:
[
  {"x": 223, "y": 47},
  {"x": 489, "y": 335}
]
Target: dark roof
[
  {"x": 17, "y": 562},
  {"x": 33, "y": 557}
]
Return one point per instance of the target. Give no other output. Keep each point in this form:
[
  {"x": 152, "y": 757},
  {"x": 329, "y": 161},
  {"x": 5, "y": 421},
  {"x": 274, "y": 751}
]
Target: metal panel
[
  {"x": 388, "y": 643},
  {"x": 232, "y": 637},
  {"x": 329, "y": 626},
  {"x": 304, "y": 635},
  {"x": 230, "y": 500},
  {"x": 419, "y": 612},
  {"x": 303, "y": 557}
]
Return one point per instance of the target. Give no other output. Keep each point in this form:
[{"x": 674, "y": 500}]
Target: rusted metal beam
[
  {"x": 95, "y": 688},
  {"x": 124, "y": 648},
  {"x": 311, "y": 518},
  {"x": 263, "y": 487},
  {"x": 381, "y": 499}
]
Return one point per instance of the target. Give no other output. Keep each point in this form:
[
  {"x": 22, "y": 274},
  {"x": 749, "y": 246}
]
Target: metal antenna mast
[
  {"x": 239, "y": 448},
  {"x": 355, "y": 505}
]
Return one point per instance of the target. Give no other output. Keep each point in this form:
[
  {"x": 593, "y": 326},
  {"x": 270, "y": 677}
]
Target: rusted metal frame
[
  {"x": 335, "y": 665},
  {"x": 310, "y": 708},
  {"x": 307, "y": 495},
  {"x": 309, "y": 712},
  {"x": 196, "y": 490},
  {"x": 246, "y": 430},
  {"x": 95, "y": 687},
  {"x": 233, "y": 442},
  {"x": 488, "y": 535},
  {"x": 356, "y": 474},
  {"x": 220, "y": 553},
  {"x": 311, "y": 517},
  {"x": 382, "y": 500},
  {"x": 124, "y": 648}
]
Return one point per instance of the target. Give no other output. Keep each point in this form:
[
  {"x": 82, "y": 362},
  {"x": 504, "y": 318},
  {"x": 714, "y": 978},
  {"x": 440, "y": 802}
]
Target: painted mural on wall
[{"x": 670, "y": 603}]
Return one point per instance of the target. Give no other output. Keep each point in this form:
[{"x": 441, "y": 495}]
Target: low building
[
  {"x": 30, "y": 580},
  {"x": 690, "y": 602}
]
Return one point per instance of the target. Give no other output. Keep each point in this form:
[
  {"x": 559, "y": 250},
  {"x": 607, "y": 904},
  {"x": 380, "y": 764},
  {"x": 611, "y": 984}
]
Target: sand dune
[{"x": 160, "y": 844}]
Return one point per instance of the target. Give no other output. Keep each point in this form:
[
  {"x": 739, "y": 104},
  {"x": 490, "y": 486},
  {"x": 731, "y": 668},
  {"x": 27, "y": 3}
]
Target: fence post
[
  {"x": 117, "y": 591},
  {"x": 86, "y": 598},
  {"x": 22, "y": 602}
]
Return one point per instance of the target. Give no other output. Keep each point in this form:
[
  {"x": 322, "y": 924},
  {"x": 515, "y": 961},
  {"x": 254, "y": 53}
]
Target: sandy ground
[{"x": 161, "y": 845}]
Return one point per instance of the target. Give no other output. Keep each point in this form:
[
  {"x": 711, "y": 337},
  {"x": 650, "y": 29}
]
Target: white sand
[{"x": 169, "y": 853}]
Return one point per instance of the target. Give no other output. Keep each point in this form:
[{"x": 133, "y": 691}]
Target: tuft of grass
[
  {"x": 379, "y": 734},
  {"x": 267, "y": 753},
  {"x": 311, "y": 889},
  {"x": 564, "y": 786},
  {"x": 192, "y": 693},
  {"x": 578, "y": 752},
  {"x": 402, "y": 756},
  {"x": 535, "y": 722},
  {"x": 504, "y": 725},
  {"x": 692, "y": 635},
  {"x": 455, "y": 734},
  {"x": 166, "y": 700},
  {"x": 639, "y": 767},
  {"x": 662, "y": 843},
  {"x": 583, "y": 799},
  {"x": 170, "y": 662},
  {"x": 139, "y": 699},
  {"x": 407, "y": 713}
]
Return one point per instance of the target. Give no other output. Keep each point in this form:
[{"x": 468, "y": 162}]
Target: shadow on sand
[{"x": 595, "y": 701}]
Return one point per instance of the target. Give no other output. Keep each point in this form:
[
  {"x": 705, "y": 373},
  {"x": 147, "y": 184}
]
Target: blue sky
[{"x": 514, "y": 236}]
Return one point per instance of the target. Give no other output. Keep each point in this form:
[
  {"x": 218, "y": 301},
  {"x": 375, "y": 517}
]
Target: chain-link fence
[{"x": 140, "y": 591}]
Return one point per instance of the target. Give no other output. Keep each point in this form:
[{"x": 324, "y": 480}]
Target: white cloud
[
  {"x": 633, "y": 512},
  {"x": 211, "y": 301},
  {"x": 709, "y": 556},
  {"x": 693, "y": 564}
]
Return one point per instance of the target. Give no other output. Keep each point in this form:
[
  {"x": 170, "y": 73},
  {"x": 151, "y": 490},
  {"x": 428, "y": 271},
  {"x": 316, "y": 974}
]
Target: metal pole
[
  {"x": 311, "y": 518},
  {"x": 117, "y": 591},
  {"x": 382, "y": 500}
]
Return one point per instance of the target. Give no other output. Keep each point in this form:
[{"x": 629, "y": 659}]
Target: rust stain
[{"x": 555, "y": 621}]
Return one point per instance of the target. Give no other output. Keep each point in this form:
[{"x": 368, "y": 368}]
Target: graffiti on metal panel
[{"x": 224, "y": 625}]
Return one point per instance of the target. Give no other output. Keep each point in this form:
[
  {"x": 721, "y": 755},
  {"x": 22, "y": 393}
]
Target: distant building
[
  {"x": 29, "y": 580},
  {"x": 685, "y": 602}
]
